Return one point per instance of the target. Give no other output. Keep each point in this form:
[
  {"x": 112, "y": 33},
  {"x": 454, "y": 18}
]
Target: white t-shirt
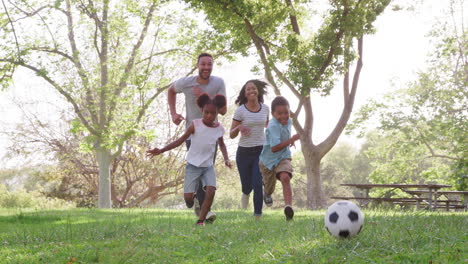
[
  {"x": 255, "y": 121},
  {"x": 203, "y": 145}
]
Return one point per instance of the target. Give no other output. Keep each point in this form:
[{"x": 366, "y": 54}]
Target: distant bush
[{"x": 33, "y": 199}]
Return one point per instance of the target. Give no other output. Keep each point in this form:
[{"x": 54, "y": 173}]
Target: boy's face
[{"x": 281, "y": 114}]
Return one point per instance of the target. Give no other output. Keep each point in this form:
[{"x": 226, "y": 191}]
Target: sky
[{"x": 393, "y": 54}]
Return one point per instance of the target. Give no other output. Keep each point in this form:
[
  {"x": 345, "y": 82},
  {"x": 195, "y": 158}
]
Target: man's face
[{"x": 205, "y": 66}]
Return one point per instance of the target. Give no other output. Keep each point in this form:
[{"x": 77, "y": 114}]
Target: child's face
[
  {"x": 281, "y": 114},
  {"x": 209, "y": 114},
  {"x": 251, "y": 91}
]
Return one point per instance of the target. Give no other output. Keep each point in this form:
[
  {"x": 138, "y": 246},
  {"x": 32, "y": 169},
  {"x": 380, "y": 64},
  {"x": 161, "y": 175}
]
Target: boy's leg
[
  {"x": 285, "y": 180},
  {"x": 284, "y": 170},
  {"x": 269, "y": 182}
]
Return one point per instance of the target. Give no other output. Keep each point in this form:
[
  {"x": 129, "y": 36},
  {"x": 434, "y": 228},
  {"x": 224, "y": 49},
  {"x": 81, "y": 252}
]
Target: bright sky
[{"x": 393, "y": 54}]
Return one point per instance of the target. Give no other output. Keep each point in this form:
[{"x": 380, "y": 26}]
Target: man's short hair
[{"x": 204, "y": 54}]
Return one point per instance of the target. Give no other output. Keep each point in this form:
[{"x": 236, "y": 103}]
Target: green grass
[{"x": 169, "y": 236}]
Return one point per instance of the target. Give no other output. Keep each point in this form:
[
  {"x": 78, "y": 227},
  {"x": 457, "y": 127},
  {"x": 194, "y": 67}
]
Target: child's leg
[
  {"x": 209, "y": 183},
  {"x": 192, "y": 177},
  {"x": 188, "y": 197},
  {"x": 206, "y": 206},
  {"x": 285, "y": 179}
]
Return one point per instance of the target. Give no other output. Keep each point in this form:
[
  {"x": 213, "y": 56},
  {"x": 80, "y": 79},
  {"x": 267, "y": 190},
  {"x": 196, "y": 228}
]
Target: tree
[
  {"x": 423, "y": 126},
  {"x": 305, "y": 62},
  {"x": 53, "y": 163},
  {"x": 109, "y": 60}
]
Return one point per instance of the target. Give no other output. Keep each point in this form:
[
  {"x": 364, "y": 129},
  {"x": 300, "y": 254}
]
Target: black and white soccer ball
[{"x": 344, "y": 219}]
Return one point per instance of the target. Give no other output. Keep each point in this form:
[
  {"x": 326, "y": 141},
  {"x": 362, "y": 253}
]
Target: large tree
[
  {"x": 300, "y": 61},
  {"x": 108, "y": 59},
  {"x": 423, "y": 125}
]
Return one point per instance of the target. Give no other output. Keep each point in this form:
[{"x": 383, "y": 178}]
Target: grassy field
[{"x": 169, "y": 236}]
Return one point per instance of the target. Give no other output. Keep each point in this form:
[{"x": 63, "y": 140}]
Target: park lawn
[{"x": 169, "y": 236}]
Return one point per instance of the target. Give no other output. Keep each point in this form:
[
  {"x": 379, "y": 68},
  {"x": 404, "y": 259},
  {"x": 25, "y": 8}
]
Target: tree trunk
[
  {"x": 104, "y": 161},
  {"x": 315, "y": 196}
]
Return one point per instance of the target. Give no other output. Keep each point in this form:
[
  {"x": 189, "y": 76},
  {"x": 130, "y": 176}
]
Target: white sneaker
[
  {"x": 210, "y": 217},
  {"x": 245, "y": 201}
]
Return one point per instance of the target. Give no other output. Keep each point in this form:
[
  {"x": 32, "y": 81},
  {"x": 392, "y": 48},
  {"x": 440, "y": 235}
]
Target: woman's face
[{"x": 251, "y": 92}]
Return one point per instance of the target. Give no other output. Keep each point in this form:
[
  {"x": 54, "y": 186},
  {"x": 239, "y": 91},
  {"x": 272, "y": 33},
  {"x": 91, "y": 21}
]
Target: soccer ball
[{"x": 343, "y": 219}]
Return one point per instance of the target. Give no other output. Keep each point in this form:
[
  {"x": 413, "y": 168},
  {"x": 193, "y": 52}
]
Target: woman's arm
[{"x": 237, "y": 127}]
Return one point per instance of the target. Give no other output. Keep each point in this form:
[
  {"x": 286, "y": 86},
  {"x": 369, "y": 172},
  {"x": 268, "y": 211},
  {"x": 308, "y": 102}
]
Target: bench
[
  {"x": 415, "y": 190},
  {"x": 449, "y": 204}
]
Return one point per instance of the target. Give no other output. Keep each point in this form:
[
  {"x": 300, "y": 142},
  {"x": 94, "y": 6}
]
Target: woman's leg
[
  {"x": 257, "y": 186},
  {"x": 244, "y": 168}
]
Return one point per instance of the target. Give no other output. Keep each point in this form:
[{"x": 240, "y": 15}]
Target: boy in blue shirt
[{"x": 275, "y": 159}]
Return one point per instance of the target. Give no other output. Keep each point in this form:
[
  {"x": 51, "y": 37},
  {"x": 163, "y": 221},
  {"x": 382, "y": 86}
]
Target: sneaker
[
  {"x": 210, "y": 217},
  {"x": 245, "y": 201},
  {"x": 288, "y": 212},
  {"x": 199, "y": 224},
  {"x": 268, "y": 200},
  {"x": 196, "y": 207}
]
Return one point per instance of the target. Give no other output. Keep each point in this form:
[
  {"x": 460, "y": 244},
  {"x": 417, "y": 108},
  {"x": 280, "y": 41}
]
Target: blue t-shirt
[{"x": 274, "y": 135}]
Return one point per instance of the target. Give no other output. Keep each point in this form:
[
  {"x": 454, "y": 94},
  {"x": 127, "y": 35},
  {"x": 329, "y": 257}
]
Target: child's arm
[
  {"x": 285, "y": 143},
  {"x": 222, "y": 146},
  {"x": 153, "y": 152}
]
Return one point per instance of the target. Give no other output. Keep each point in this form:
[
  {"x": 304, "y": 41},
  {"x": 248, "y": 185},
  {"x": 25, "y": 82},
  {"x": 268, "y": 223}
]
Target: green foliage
[
  {"x": 423, "y": 127},
  {"x": 33, "y": 199},
  {"x": 131, "y": 236},
  {"x": 305, "y": 55}
]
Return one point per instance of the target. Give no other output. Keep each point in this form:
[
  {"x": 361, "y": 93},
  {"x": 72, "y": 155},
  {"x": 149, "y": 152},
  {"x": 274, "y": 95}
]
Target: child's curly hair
[{"x": 204, "y": 99}]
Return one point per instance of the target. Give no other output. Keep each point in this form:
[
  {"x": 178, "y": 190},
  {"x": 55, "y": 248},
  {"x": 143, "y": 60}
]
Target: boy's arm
[
  {"x": 174, "y": 144},
  {"x": 285, "y": 143},
  {"x": 222, "y": 146}
]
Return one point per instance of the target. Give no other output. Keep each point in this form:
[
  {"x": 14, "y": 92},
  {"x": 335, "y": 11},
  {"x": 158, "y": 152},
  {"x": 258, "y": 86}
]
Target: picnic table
[{"x": 414, "y": 190}]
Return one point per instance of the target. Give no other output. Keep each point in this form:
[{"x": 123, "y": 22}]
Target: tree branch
[
  {"x": 69, "y": 98},
  {"x": 76, "y": 61},
  {"x": 330, "y": 141}
]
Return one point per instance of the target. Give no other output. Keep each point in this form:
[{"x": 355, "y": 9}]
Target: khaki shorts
[{"x": 270, "y": 176}]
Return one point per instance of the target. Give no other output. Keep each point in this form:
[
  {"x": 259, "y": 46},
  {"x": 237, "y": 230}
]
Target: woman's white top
[
  {"x": 255, "y": 121},
  {"x": 203, "y": 144}
]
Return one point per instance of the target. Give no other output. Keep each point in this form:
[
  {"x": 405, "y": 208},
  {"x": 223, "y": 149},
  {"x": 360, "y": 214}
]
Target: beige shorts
[{"x": 270, "y": 176}]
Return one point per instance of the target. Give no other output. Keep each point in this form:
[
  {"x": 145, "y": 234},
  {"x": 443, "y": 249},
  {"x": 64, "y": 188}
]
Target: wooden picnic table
[{"x": 431, "y": 189}]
